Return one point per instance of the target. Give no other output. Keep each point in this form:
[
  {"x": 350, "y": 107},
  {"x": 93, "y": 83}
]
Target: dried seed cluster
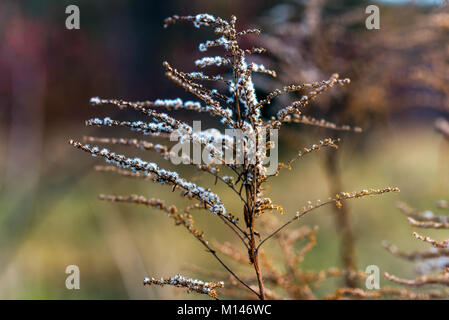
[{"x": 195, "y": 285}]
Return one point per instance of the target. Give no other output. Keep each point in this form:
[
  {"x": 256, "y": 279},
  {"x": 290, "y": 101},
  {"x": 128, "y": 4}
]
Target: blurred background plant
[
  {"x": 432, "y": 265},
  {"x": 49, "y": 217}
]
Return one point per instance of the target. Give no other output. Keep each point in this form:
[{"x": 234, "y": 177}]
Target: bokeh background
[{"x": 49, "y": 213}]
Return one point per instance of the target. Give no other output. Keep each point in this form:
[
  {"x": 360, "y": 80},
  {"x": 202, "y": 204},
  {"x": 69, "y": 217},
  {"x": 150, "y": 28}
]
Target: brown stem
[
  {"x": 236, "y": 76},
  {"x": 253, "y": 252},
  {"x": 255, "y": 259}
]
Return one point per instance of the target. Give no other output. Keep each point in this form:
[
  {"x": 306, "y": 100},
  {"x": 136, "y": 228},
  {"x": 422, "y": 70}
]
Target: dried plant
[
  {"x": 285, "y": 277},
  {"x": 239, "y": 110}
]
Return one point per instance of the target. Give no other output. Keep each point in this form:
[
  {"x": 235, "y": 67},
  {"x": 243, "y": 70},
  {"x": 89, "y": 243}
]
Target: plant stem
[
  {"x": 253, "y": 252},
  {"x": 255, "y": 258}
]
